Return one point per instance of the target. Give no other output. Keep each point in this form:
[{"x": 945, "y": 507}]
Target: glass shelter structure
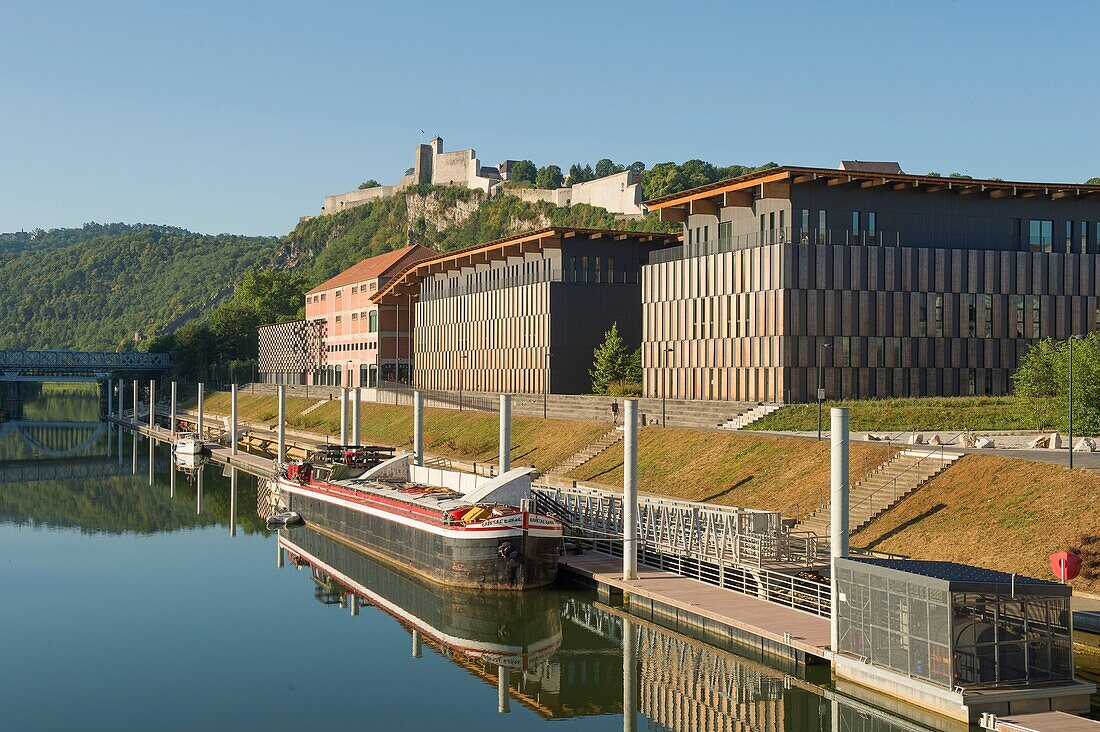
[{"x": 952, "y": 625}]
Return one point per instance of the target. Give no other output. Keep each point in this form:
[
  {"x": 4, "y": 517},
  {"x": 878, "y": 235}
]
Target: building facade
[
  {"x": 345, "y": 339},
  {"x": 864, "y": 282},
  {"x": 523, "y": 314}
]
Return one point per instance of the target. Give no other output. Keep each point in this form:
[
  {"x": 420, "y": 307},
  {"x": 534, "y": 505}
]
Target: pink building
[{"x": 364, "y": 343}]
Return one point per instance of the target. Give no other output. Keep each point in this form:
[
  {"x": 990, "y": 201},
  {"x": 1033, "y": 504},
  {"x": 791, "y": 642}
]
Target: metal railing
[
  {"x": 874, "y": 502},
  {"x": 581, "y": 275},
  {"x": 745, "y": 550},
  {"x": 81, "y": 361},
  {"x": 786, "y": 235}
]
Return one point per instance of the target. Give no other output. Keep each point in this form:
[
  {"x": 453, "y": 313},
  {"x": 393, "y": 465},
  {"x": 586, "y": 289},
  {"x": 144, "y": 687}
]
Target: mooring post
[
  {"x": 198, "y": 491},
  {"x": 133, "y": 452},
  {"x": 503, "y": 700},
  {"x": 505, "y": 433},
  {"x": 152, "y": 460},
  {"x": 343, "y": 415},
  {"x": 233, "y": 419},
  {"x": 137, "y": 390},
  {"x": 630, "y": 678},
  {"x": 418, "y": 427},
  {"x": 838, "y": 524},
  {"x": 356, "y": 427},
  {"x": 171, "y": 478},
  {"x": 232, "y": 501},
  {"x": 630, "y": 489},
  {"x": 152, "y": 403},
  {"x": 417, "y": 644},
  {"x": 280, "y": 455},
  {"x": 198, "y": 417},
  {"x": 172, "y": 409}
]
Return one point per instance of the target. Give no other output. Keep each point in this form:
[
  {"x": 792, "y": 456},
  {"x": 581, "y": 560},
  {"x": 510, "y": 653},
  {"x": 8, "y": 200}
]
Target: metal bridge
[
  {"x": 745, "y": 550},
  {"x": 55, "y": 439},
  {"x": 55, "y": 365}
]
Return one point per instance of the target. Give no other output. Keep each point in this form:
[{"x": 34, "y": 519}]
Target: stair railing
[{"x": 871, "y": 497}]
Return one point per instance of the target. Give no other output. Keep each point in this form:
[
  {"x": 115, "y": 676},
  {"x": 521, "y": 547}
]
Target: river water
[{"x": 133, "y": 598}]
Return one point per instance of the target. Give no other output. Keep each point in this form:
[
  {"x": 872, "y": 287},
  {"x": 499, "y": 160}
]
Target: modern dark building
[
  {"x": 880, "y": 283},
  {"x": 525, "y": 313}
]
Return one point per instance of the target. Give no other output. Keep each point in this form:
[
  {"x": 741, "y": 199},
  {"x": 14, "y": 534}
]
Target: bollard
[
  {"x": 505, "y": 433},
  {"x": 152, "y": 404},
  {"x": 418, "y": 427},
  {"x": 199, "y": 417},
  {"x": 233, "y": 419},
  {"x": 503, "y": 700},
  {"x": 343, "y": 416},
  {"x": 630, "y": 489},
  {"x": 280, "y": 454},
  {"x": 838, "y": 508},
  {"x": 356, "y": 427},
  {"x": 172, "y": 410},
  {"x": 630, "y": 678},
  {"x": 233, "y": 501}
]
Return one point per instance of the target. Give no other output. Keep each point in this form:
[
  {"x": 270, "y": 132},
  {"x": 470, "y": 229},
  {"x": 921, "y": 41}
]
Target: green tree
[
  {"x": 1043, "y": 379},
  {"x": 611, "y": 361},
  {"x": 606, "y": 167},
  {"x": 523, "y": 171},
  {"x": 1093, "y": 182},
  {"x": 580, "y": 174},
  {"x": 369, "y": 183},
  {"x": 549, "y": 176},
  {"x": 637, "y": 167}
]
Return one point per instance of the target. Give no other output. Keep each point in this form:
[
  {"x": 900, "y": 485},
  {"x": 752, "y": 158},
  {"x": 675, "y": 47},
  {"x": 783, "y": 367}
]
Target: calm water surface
[{"x": 132, "y": 600}]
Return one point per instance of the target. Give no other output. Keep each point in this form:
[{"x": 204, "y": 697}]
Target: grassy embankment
[
  {"x": 997, "y": 512},
  {"x": 777, "y": 473},
  {"x": 897, "y": 415}
]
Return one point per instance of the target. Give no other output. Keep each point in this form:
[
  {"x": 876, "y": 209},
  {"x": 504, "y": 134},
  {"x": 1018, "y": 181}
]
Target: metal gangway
[{"x": 742, "y": 549}]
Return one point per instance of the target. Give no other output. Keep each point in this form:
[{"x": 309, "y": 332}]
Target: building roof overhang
[
  {"x": 776, "y": 183},
  {"x": 406, "y": 283}
]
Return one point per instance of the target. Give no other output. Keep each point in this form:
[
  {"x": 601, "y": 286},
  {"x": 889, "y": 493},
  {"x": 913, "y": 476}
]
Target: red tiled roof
[{"x": 374, "y": 267}]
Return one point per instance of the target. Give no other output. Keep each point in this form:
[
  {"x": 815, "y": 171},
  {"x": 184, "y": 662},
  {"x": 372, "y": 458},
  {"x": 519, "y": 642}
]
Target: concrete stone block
[
  {"x": 984, "y": 443},
  {"x": 1038, "y": 443},
  {"x": 1055, "y": 441},
  {"x": 969, "y": 439},
  {"x": 935, "y": 440},
  {"x": 916, "y": 439},
  {"x": 1085, "y": 444},
  {"x": 873, "y": 438}
]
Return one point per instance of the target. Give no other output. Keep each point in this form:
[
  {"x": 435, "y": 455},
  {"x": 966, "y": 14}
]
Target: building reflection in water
[{"x": 562, "y": 655}]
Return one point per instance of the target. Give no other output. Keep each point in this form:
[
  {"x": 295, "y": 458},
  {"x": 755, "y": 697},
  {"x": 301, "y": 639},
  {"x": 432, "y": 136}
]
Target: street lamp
[
  {"x": 664, "y": 389},
  {"x": 821, "y": 382},
  {"x": 1072, "y": 338}
]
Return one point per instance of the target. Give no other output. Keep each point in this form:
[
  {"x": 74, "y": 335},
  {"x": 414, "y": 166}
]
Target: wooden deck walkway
[{"x": 760, "y": 618}]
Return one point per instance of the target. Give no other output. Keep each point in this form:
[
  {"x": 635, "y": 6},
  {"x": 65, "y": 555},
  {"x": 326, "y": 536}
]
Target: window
[
  {"x": 938, "y": 309},
  {"x": 725, "y": 230},
  {"x": 372, "y": 322},
  {"x": 322, "y": 297},
  {"x": 1084, "y": 237},
  {"x": 972, "y": 315},
  {"x": 821, "y": 239},
  {"x": 610, "y": 269},
  {"x": 573, "y": 269},
  {"x": 599, "y": 270},
  {"x": 1036, "y": 316},
  {"x": 922, "y": 314},
  {"x": 1069, "y": 237},
  {"x": 1041, "y": 235},
  {"x": 805, "y": 226},
  {"x": 872, "y": 223},
  {"x": 987, "y": 307},
  {"x": 338, "y": 293},
  {"x": 845, "y": 347},
  {"x": 855, "y": 222},
  {"x": 782, "y": 224},
  {"x": 355, "y": 316},
  {"x": 1019, "y": 315},
  {"x": 584, "y": 269},
  {"x": 354, "y": 289},
  {"x": 771, "y": 225}
]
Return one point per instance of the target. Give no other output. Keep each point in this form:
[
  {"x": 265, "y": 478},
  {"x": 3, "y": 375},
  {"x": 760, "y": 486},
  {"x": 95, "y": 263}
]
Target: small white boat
[{"x": 188, "y": 443}]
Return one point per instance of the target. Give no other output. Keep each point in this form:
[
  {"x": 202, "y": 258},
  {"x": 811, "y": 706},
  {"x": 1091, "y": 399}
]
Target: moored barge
[{"x": 454, "y": 528}]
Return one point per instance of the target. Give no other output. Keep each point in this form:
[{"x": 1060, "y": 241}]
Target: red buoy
[{"x": 1065, "y": 564}]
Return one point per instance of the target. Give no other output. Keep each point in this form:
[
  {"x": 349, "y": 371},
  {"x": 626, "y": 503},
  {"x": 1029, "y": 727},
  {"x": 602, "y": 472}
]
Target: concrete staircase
[
  {"x": 608, "y": 439},
  {"x": 313, "y": 407},
  {"x": 883, "y": 489},
  {"x": 744, "y": 419}
]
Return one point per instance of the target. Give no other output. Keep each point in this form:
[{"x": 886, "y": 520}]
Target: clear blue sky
[{"x": 239, "y": 117}]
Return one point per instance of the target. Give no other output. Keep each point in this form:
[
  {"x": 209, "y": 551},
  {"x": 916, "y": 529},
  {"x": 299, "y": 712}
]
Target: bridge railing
[{"x": 66, "y": 361}]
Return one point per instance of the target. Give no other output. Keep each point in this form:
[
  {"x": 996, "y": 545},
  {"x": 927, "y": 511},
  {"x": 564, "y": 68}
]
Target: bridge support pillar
[
  {"x": 418, "y": 427},
  {"x": 233, "y": 419},
  {"x": 343, "y": 415},
  {"x": 503, "y": 700},
  {"x": 137, "y": 390},
  {"x": 172, "y": 409},
  {"x": 505, "y": 447},
  {"x": 630, "y": 490},
  {"x": 838, "y": 507},
  {"x": 152, "y": 403},
  {"x": 198, "y": 410},
  {"x": 280, "y": 454},
  {"x": 356, "y": 408}
]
